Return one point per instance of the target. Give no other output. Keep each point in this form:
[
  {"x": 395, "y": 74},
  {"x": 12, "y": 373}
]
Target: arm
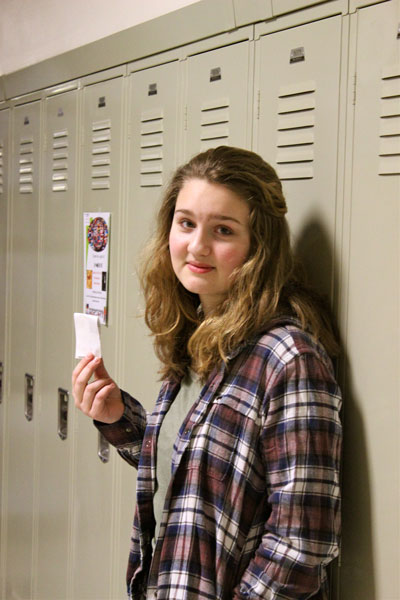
[
  {"x": 300, "y": 443},
  {"x": 120, "y": 418}
]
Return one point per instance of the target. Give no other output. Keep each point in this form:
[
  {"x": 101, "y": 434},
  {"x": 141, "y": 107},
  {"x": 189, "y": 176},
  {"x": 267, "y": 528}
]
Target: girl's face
[{"x": 209, "y": 239}]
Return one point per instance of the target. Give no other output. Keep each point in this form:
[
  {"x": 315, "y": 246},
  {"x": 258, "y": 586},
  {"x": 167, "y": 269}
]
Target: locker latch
[
  {"x": 1, "y": 382},
  {"x": 63, "y": 397},
  {"x": 103, "y": 451},
  {"x": 29, "y": 384}
]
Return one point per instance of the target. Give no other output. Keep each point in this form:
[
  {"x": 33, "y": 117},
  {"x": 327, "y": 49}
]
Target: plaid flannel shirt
[{"x": 253, "y": 507}]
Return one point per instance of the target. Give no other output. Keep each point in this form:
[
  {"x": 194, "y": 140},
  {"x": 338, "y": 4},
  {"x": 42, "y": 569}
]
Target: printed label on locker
[{"x": 96, "y": 228}]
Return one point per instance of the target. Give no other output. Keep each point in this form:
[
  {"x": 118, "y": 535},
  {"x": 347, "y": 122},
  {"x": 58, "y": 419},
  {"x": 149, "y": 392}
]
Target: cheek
[
  {"x": 175, "y": 246},
  {"x": 234, "y": 257}
]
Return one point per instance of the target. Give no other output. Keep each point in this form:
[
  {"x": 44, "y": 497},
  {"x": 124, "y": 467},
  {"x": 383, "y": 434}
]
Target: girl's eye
[
  {"x": 224, "y": 230},
  {"x": 186, "y": 224}
]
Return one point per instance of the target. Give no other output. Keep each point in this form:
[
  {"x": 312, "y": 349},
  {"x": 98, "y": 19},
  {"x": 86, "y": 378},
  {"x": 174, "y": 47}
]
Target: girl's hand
[{"x": 95, "y": 393}]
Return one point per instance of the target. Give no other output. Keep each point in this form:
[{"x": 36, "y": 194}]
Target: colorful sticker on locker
[
  {"x": 96, "y": 240},
  {"x": 98, "y": 234}
]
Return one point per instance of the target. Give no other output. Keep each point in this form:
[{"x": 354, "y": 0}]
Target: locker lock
[
  {"x": 63, "y": 397},
  {"x": 29, "y": 385}
]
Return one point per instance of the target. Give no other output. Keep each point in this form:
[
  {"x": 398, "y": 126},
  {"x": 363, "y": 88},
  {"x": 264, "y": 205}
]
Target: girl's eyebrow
[{"x": 214, "y": 216}]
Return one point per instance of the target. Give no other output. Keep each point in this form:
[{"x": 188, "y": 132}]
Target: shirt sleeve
[
  {"x": 127, "y": 433},
  {"x": 301, "y": 447}
]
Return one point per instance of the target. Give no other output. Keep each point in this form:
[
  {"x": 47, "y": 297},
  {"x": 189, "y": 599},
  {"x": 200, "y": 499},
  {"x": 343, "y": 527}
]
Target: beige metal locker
[
  {"x": 371, "y": 503},
  {"x": 153, "y": 134},
  {"x": 22, "y": 409},
  {"x": 59, "y": 242},
  {"x": 285, "y": 6},
  {"x": 218, "y": 98},
  {"x": 96, "y": 493},
  {"x": 153, "y": 149},
  {"x": 4, "y": 162},
  {"x": 296, "y": 130}
]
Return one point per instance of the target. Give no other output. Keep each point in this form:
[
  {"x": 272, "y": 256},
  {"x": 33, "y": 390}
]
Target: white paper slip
[{"x": 87, "y": 334}]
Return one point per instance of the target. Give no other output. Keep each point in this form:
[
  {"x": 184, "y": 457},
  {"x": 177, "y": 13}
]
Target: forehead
[{"x": 204, "y": 198}]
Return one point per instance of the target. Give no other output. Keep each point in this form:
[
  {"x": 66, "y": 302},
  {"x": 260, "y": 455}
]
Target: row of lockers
[{"x": 107, "y": 143}]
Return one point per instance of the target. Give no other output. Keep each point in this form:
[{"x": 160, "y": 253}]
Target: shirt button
[
  {"x": 148, "y": 444},
  {"x": 187, "y": 432},
  {"x": 128, "y": 430}
]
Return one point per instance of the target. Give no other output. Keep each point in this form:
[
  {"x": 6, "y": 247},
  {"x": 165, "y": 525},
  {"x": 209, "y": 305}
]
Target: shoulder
[{"x": 286, "y": 343}]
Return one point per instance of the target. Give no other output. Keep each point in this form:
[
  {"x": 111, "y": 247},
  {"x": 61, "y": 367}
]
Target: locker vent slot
[
  {"x": 101, "y": 155},
  {"x": 214, "y": 123},
  {"x": 59, "y": 176},
  {"x": 151, "y": 148},
  {"x": 26, "y": 166},
  {"x": 1, "y": 167},
  {"x": 295, "y": 137},
  {"x": 389, "y": 143}
]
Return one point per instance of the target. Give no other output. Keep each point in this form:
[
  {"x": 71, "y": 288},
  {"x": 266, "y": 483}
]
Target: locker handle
[
  {"x": 1, "y": 382},
  {"x": 63, "y": 397},
  {"x": 103, "y": 451},
  {"x": 29, "y": 385}
]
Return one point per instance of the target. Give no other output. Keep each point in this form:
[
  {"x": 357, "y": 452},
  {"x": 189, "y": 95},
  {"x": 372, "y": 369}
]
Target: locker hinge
[
  {"x": 185, "y": 119},
  {"x": 258, "y": 104},
  {"x": 354, "y": 89}
]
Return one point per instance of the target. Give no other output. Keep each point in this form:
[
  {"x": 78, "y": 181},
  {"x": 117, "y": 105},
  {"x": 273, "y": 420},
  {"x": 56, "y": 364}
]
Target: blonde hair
[{"x": 267, "y": 285}]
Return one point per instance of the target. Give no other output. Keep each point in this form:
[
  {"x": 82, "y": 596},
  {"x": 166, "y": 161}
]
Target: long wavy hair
[{"x": 269, "y": 284}]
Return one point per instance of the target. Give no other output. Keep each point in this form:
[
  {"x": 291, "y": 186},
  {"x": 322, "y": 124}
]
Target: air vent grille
[
  {"x": 389, "y": 134},
  {"x": 59, "y": 175},
  {"x": 214, "y": 123},
  {"x": 101, "y": 155},
  {"x": 151, "y": 148},
  {"x": 295, "y": 136},
  {"x": 25, "y": 170}
]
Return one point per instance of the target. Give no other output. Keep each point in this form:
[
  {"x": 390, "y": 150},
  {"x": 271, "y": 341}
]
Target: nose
[{"x": 199, "y": 244}]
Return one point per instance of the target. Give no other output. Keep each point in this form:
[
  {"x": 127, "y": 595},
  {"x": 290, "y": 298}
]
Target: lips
[{"x": 199, "y": 267}]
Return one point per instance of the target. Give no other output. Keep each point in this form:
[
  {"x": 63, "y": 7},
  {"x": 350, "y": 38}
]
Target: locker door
[
  {"x": 153, "y": 157},
  {"x": 371, "y": 519},
  {"x": 22, "y": 405},
  {"x": 217, "y": 99},
  {"x": 296, "y": 130},
  {"x": 56, "y": 306},
  {"x": 4, "y": 161},
  {"x": 95, "y": 486},
  {"x": 153, "y": 106}
]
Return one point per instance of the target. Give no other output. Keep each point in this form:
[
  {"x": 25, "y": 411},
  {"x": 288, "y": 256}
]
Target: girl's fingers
[
  {"x": 81, "y": 364},
  {"x": 82, "y": 375},
  {"x": 99, "y": 401},
  {"x": 91, "y": 391},
  {"x": 98, "y": 391}
]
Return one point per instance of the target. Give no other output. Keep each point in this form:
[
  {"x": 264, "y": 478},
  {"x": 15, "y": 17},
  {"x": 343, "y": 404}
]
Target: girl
[{"x": 238, "y": 484}]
